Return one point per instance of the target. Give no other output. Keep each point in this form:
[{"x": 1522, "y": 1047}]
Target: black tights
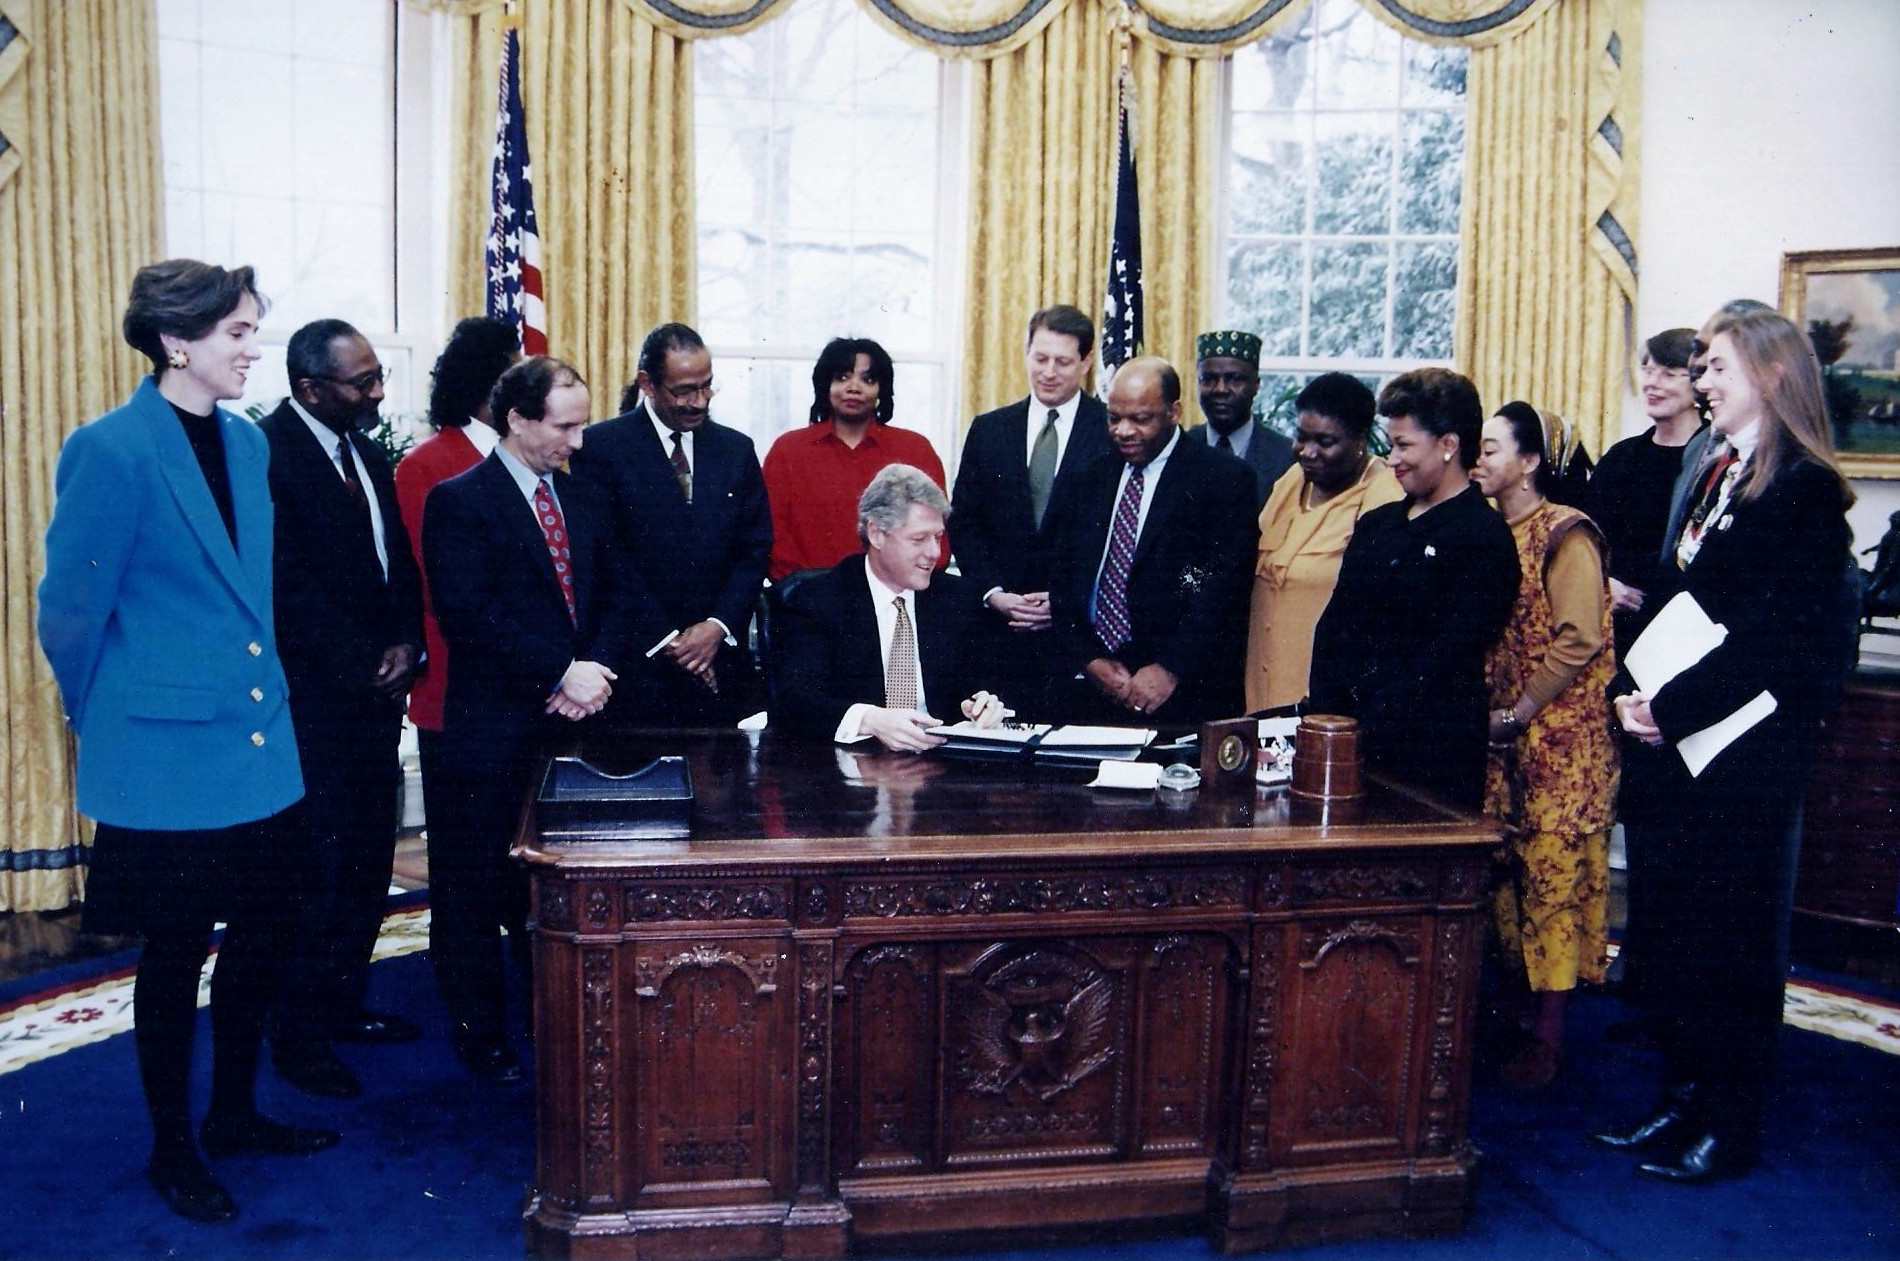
[{"x": 165, "y": 1017}]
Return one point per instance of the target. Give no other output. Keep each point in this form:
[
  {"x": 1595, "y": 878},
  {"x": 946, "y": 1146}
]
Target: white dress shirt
[
  {"x": 327, "y": 438},
  {"x": 883, "y": 603}
]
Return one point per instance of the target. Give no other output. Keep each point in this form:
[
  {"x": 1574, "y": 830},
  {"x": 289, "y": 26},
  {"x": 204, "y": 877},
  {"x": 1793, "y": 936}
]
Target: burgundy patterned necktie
[
  {"x": 1111, "y": 589},
  {"x": 554, "y": 530}
]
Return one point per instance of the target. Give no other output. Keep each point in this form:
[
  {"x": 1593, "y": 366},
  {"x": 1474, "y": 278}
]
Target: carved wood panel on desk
[{"x": 759, "y": 1047}]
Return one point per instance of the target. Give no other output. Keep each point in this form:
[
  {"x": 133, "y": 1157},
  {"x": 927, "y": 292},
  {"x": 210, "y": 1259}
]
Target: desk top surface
[{"x": 765, "y": 798}]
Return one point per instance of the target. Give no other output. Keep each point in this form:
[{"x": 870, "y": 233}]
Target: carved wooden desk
[{"x": 925, "y": 996}]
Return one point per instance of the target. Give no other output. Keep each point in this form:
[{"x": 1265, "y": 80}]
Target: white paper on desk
[
  {"x": 1141, "y": 776},
  {"x": 1099, "y": 738},
  {"x": 1680, "y": 635},
  {"x": 1006, "y": 733},
  {"x": 1699, "y": 750}
]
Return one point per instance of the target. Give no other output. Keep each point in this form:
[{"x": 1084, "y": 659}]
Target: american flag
[
  {"x": 1121, "y": 312},
  {"x": 513, "y": 250}
]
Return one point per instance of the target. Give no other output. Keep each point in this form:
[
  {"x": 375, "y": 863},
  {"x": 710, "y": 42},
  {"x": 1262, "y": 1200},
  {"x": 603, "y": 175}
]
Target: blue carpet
[{"x": 433, "y": 1166}]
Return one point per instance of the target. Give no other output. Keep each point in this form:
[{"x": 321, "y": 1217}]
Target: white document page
[{"x": 1681, "y": 635}]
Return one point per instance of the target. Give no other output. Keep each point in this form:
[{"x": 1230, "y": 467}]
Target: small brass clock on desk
[{"x": 1227, "y": 753}]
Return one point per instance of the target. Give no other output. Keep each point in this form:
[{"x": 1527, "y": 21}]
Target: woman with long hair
[
  {"x": 1763, "y": 552},
  {"x": 814, "y": 475},
  {"x": 1551, "y": 776},
  {"x": 155, "y": 614}
]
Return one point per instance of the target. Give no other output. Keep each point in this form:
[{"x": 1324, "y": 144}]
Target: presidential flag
[
  {"x": 513, "y": 250},
  {"x": 1121, "y": 312}
]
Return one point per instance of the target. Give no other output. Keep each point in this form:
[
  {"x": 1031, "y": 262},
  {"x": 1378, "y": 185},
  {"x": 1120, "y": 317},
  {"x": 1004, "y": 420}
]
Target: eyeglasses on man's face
[
  {"x": 702, "y": 392},
  {"x": 363, "y": 383}
]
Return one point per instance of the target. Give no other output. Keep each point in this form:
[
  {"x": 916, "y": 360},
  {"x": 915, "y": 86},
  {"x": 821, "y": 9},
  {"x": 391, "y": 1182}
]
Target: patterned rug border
[{"x": 40, "y": 1026}]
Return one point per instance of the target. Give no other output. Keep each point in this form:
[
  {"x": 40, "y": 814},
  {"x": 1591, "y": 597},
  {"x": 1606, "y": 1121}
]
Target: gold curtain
[
  {"x": 1042, "y": 190},
  {"x": 80, "y": 206},
  {"x": 609, "y": 102},
  {"x": 1547, "y": 266}
]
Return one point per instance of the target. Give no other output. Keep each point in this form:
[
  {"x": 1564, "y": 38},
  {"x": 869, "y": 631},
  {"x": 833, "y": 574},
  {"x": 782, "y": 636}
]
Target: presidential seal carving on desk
[{"x": 1041, "y": 1020}]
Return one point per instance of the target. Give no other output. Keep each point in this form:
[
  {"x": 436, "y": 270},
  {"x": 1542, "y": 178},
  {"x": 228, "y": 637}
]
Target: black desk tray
[{"x": 580, "y": 802}]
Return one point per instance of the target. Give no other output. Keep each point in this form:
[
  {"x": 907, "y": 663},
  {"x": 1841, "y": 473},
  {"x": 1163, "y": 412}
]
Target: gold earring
[
  {"x": 177, "y": 357},
  {"x": 1526, "y": 484}
]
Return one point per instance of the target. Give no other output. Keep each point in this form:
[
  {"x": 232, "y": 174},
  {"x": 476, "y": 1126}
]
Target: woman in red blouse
[{"x": 814, "y": 475}]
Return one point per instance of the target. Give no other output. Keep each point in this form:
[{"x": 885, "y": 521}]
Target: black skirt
[{"x": 144, "y": 879}]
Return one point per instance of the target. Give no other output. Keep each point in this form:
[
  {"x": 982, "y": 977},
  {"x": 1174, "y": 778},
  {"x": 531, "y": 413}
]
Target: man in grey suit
[{"x": 1228, "y": 371}]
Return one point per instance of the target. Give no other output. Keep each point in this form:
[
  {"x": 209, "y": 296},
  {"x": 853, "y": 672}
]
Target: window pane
[
  {"x": 1434, "y": 75},
  {"x": 1431, "y": 171},
  {"x": 1357, "y": 57},
  {"x": 1276, "y": 72},
  {"x": 1425, "y": 299},
  {"x": 817, "y": 153},
  {"x": 1352, "y": 176},
  {"x": 1348, "y": 312},
  {"x": 1269, "y": 173},
  {"x": 1263, "y": 290}
]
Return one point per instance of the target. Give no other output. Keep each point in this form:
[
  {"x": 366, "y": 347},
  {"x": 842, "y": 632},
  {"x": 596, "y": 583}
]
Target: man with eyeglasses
[
  {"x": 348, "y": 606},
  {"x": 1150, "y": 596},
  {"x": 692, "y": 537}
]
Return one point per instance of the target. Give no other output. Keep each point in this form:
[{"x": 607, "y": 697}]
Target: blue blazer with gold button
[{"x": 159, "y": 631}]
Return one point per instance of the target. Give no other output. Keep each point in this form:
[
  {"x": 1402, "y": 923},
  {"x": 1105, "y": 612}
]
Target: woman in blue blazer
[{"x": 155, "y": 614}]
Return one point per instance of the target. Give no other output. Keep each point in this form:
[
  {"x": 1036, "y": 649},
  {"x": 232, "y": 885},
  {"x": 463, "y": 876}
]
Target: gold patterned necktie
[
  {"x": 900, "y": 676},
  {"x": 682, "y": 470}
]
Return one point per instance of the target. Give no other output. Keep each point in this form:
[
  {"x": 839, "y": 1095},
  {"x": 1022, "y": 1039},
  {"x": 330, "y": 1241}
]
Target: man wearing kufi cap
[{"x": 1229, "y": 377}]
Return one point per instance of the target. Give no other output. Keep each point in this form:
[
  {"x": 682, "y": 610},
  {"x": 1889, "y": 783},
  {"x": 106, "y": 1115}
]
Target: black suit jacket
[
  {"x": 1269, "y": 454},
  {"x": 1188, "y": 586},
  {"x": 335, "y": 611},
  {"x": 992, "y": 528},
  {"x": 681, "y": 563},
  {"x": 500, "y": 604},
  {"x": 831, "y": 659}
]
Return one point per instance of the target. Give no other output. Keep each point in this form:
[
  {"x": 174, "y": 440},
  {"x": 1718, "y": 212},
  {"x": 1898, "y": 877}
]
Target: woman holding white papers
[
  {"x": 1761, "y": 553},
  {"x": 1551, "y": 777}
]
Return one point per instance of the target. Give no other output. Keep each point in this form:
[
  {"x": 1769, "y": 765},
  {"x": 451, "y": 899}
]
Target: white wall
[{"x": 1768, "y": 126}]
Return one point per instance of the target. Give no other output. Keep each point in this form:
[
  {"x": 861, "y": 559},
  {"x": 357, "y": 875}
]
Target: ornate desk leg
[{"x": 819, "y": 1223}]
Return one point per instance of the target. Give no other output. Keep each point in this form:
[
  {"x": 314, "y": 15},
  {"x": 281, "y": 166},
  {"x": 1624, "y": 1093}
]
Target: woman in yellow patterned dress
[{"x": 1551, "y": 778}]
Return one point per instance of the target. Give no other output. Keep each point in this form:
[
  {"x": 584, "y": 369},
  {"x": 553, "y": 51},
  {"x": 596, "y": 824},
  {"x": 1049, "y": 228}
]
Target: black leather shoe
[
  {"x": 314, "y": 1069},
  {"x": 375, "y": 1026},
  {"x": 489, "y": 1059},
  {"x": 229, "y": 1136},
  {"x": 1645, "y": 1137},
  {"x": 1708, "y": 1159},
  {"x": 1627, "y": 1032},
  {"x": 189, "y": 1190}
]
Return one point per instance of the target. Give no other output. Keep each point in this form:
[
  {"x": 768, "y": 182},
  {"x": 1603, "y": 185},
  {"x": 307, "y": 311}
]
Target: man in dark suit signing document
[{"x": 870, "y": 645}]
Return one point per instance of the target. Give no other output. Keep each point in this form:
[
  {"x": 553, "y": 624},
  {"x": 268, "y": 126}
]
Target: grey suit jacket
[
  {"x": 1692, "y": 453},
  {"x": 1269, "y": 454}
]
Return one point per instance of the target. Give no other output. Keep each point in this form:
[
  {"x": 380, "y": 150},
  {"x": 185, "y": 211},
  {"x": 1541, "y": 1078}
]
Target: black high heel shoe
[
  {"x": 1707, "y": 1159},
  {"x": 189, "y": 1190}
]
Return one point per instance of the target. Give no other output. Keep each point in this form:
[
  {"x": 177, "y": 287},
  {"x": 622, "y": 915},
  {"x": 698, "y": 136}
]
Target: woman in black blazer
[
  {"x": 1424, "y": 588},
  {"x": 1762, "y": 552}
]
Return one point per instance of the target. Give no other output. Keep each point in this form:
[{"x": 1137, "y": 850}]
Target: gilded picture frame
[{"x": 1849, "y": 302}]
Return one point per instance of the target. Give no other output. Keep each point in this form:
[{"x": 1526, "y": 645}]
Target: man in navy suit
[
  {"x": 692, "y": 536},
  {"x": 871, "y": 645},
  {"x": 1227, "y": 367},
  {"x": 1018, "y": 461},
  {"x": 514, "y": 550},
  {"x": 349, "y": 630},
  {"x": 1150, "y": 593}
]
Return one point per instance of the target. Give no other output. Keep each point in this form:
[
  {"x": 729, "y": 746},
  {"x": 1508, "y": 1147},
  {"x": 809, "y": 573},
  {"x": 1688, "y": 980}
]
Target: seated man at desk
[{"x": 870, "y": 644}]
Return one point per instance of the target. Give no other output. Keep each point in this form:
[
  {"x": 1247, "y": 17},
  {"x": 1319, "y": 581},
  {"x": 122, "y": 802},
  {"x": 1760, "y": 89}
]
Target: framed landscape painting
[{"x": 1849, "y": 302}]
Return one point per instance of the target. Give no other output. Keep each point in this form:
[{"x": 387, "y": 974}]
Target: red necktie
[
  {"x": 682, "y": 471},
  {"x": 554, "y": 530},
  {"x": 1111, "y": 589}
]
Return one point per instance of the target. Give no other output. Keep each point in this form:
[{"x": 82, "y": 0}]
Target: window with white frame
[
  {"x": 279, "y": 125},
  {"x": 1346, "y": 157},
  {"x": 822, "y": 160}
]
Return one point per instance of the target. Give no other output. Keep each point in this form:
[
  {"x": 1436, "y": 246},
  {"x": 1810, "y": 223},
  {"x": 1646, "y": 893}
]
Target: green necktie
[{"x": 1042, "y": 467}]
